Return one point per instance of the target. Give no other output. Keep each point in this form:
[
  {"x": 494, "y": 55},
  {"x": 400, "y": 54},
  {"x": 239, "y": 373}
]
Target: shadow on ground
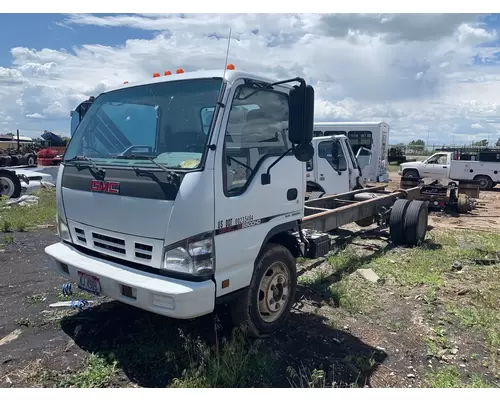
[{"x": 152, "y": 350}]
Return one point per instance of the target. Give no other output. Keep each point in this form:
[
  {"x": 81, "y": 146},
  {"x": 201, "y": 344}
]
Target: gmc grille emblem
[{"x": 105, "y": 187}]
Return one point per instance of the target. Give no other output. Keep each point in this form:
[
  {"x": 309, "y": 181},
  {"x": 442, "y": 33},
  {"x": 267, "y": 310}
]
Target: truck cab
[
  {"x": 373, "y": 136},
  {"x": 334, "y": 168},
  {"x": 181, "y": 191},
  {"x": 434, "y": 167}
]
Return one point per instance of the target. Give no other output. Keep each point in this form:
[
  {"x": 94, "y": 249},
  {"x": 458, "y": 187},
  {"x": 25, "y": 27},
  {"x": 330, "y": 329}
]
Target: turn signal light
[{"x": 230, "y": 67}]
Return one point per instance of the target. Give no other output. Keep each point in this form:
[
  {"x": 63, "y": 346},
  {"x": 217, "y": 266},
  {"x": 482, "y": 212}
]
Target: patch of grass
[
  {"x": 349, "y": 295},
  {"x": 6, "y": 226},
  {"x": 25, "y": 217},
  {"x": 80, "y": 295},
  {"x": 96, "y": 373},
  {"x": 8, "y": 239},
  {"x": 237, "y": 362},
  {"x": 24, "y": 322},
  {"x": 449, "y": 377},
  {"x": 35, "y": 298},
  {"x": 427, "y": 264}
]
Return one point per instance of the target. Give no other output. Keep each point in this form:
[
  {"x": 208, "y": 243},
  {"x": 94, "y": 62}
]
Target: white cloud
[
  {"x": 35, "y": 116},
  {"x": 416, "y": 71}
]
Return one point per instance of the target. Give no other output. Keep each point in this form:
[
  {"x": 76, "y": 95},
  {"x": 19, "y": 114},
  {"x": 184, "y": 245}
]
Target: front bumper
[{"x": 158, "y": 294}]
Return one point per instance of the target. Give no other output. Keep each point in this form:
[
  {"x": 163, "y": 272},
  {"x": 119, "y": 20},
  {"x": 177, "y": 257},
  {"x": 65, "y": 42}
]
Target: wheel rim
[
  {"x": 483, "y": 183},
  {"x": 273, "y": 292},
  {"x": 6, "y": 187},
  {"x": 31, "y": 161},
  {"x": 421, "y": 226}
]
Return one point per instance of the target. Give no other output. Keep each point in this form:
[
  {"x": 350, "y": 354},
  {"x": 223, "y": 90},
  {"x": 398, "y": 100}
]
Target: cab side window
[
  {"x": 257, "y": 128},
  {"x": 331, "y": 151}
]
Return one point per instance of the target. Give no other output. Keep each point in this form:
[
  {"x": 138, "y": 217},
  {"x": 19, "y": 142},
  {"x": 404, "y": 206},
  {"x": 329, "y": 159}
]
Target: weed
[
  {"x": 8, "y": 239},
  {"x": 6, "y": 226},
  {"x": 235, "y": 363},
  {"x": 24, "y": 322},
  {"x": 97, "y": 372},
  {"x": 304, "y": 378},
  {"x": 449, "y": 377},
  {"x": 34, "y": 299},
  {"x": 25, "y": 217}
]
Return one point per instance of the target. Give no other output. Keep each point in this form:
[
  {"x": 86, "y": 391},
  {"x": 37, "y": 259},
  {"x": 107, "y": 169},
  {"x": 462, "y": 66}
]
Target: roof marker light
[
  {"x": 180, "y": 71},
  {"x": 156, "y": 75},
  {"x": 230, "y": 66},
  {"x": 167, "y": 73},
  {"x": 125, "y": 82}
]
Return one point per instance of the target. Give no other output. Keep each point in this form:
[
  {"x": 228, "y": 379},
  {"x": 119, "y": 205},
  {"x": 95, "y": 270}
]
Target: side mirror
[{"x": 301, "y": 114}]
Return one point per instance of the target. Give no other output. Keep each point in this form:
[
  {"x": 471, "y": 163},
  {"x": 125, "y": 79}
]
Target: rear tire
[
  {"x": 265, "y": 306},
  {"x": 396, "y": 221},
  {"x": 485, "y": 182},
  {"x": 10, "y": 185},
  {"x": 416, "y": 222},
  {"x": 30, "y": 160}
]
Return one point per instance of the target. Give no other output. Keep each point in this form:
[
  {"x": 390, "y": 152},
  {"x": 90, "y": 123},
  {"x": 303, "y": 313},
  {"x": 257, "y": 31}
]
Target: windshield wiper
[
  {"x": 170, "y": 174},
  {"x": 99, "y": 170}
]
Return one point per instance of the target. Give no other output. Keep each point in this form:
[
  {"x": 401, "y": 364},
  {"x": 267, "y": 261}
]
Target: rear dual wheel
[{"x": 408, "y": 222}]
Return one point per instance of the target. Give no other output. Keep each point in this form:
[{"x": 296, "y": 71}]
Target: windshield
[{"x": 166, "y": 122}]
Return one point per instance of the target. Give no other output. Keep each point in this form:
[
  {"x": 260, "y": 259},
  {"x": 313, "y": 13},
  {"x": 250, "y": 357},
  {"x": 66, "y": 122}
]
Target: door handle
[{"x": 445, "y": 166}]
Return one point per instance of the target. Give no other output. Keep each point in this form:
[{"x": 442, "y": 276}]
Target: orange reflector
[
  {"x": 167, "y": 73},
  {"x": 125, "y": 82},
  {"x": 225, "y": 284},
  {"x": 156, "y": 75},
  {"x": 230, "y": 66},
  {"x": 180, "y": 71}
]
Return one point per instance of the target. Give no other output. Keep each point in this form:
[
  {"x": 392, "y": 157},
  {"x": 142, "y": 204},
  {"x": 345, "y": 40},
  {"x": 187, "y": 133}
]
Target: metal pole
[{"x": 18, "y": 144}]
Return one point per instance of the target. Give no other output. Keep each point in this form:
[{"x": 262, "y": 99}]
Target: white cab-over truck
[
  {"x": 187, "y": 190},
  {"x": 373, "y": 136},
  {"x": 443, "y": 165},
  {"x": 334, "y": 168}
]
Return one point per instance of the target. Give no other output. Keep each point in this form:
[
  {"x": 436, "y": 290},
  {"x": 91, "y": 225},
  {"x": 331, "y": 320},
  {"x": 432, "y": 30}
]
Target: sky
[{"x": 433, "y": 76}]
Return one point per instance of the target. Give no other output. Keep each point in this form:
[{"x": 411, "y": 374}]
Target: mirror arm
[{"x": 265, "y": 178}]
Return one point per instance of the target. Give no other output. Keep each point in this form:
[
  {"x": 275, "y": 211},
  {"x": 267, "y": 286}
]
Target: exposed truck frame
[{"x": 176, "y": 230}]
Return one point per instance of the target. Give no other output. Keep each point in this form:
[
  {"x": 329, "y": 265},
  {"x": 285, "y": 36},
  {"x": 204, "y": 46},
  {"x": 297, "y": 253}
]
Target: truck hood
[
  {"x": 411, "y": 164},
  {"x": 124, "y": 202}
]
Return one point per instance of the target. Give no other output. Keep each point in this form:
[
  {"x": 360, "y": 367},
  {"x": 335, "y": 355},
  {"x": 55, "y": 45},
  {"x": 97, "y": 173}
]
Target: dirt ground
[{"x": 398, "y": 332}]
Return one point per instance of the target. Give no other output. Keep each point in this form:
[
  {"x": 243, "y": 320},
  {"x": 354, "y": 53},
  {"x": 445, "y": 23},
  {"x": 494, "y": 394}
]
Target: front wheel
[{"x": 266, "y": 305}]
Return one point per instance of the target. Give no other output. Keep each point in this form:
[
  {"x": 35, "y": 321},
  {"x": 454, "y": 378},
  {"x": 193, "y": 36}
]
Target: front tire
[{"x": 265, "y": 306}]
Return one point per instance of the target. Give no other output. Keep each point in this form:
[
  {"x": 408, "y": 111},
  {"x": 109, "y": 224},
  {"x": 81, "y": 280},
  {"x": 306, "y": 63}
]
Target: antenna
[{"x": 227, "y": 53}]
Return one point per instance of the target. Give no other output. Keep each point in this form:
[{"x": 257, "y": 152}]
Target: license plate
[{"x": 89, "y": 283}]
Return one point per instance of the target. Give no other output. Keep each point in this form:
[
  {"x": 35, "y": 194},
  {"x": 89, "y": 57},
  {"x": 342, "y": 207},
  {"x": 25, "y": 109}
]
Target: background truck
[
  {"x": 334, "y": 168},
  {"x": 159, "y": 210},
  {"x": 397, "y": 155},
  {"x": 370, "y": 135},
  {"x": 443, "y": 165}
]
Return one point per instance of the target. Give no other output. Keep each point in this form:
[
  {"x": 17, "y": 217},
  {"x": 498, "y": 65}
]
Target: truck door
[
  {"x": 246, "y": 210},
  {"x": 364, "y": 158},
  {"x": 332, "y": 171}
]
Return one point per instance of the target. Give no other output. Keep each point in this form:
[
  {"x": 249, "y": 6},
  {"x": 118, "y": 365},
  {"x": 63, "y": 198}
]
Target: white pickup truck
[{"x": 442, "y": 165}]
